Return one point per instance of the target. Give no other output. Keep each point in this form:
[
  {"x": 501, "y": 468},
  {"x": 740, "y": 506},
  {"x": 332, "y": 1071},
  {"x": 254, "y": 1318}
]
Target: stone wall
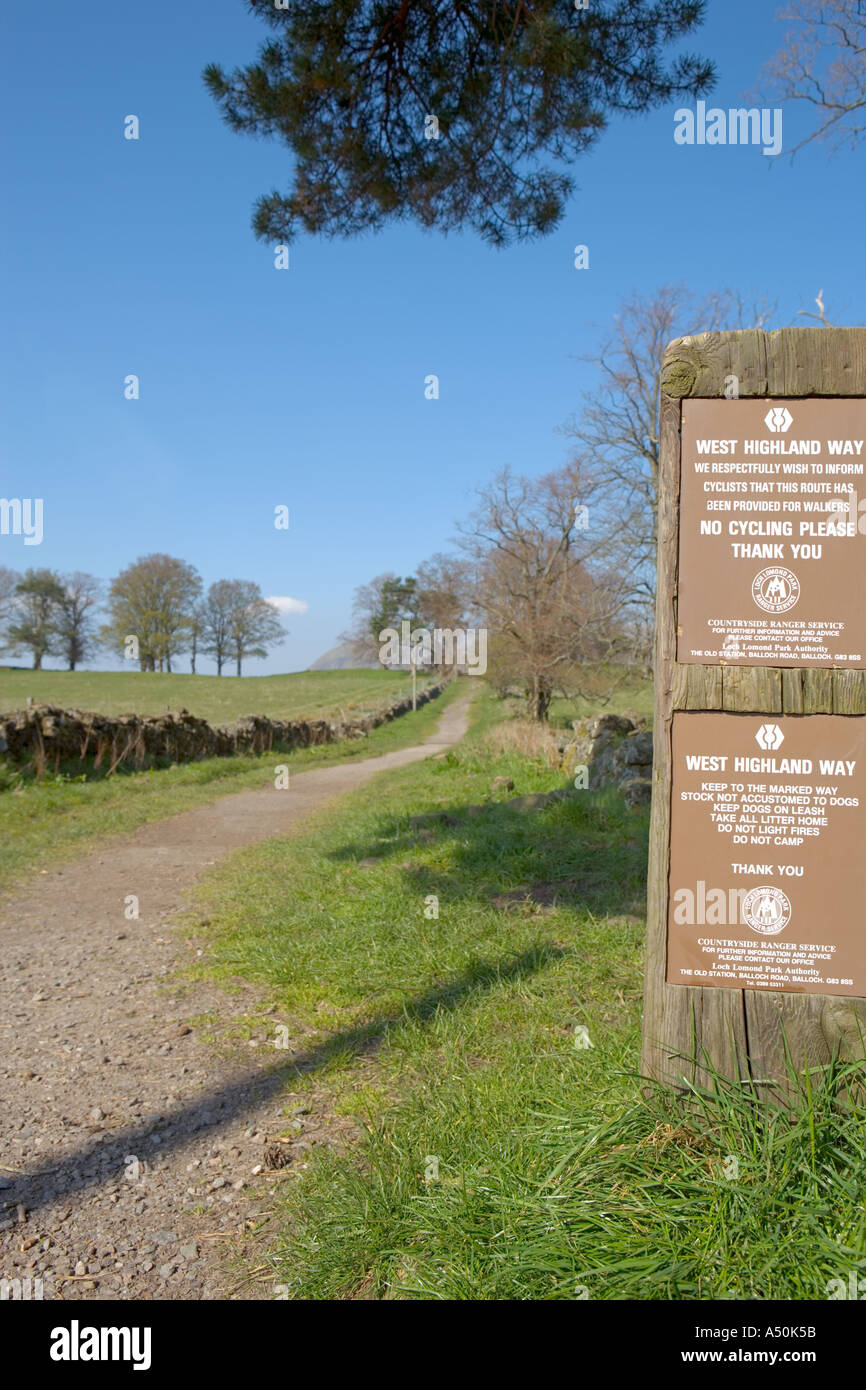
[
  {"x": 617, "y": 752},
  {"x": 45, "y": 737}
]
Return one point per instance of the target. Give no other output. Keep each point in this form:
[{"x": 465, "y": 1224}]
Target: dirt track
[{"x": 127, "y": 1142}]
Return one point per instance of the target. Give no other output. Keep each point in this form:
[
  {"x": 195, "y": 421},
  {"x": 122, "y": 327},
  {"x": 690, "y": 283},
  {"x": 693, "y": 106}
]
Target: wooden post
[{"x": 741, "y": 1031}]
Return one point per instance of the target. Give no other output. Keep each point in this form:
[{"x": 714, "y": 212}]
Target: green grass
[
  {"x": 218, "y": 699},
  {"x": 499, "y": 1158},
  {"x": 43, "y": 822},
  {"x": 543, "y": 1194}
]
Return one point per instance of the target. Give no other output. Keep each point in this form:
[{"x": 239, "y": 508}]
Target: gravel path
[{"x": 135, "y": 1153}]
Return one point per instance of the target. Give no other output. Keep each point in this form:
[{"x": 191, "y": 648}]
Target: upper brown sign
[{"x": 772, "y": 565}]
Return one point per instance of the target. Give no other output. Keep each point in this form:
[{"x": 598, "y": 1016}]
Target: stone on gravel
[{"x": 163, "y": 1237}]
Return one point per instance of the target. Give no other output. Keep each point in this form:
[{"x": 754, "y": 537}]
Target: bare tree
[
  {"x": 216, "y": 614},
  {"x": 254, "y": 624},
  {"x": 371, "y": 612},
  {"x": 196, "y": 633},
  {"x": 618, "y": 426},
  {"x": 823, "y": 65},
  {"x": 76, "y": 638},
  {"x": 820, "y": 316},
  {"x": 444, "y": 595},
  {"x": 550, "y": 579}
]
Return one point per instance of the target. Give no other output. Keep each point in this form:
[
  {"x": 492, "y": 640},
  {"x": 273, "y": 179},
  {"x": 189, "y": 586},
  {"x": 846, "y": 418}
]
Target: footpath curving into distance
[{"x": 133, "y": 1146}]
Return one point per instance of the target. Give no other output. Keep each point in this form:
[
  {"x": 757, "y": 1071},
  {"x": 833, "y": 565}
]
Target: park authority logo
[
  {"x": 775, "y": 589},
  {"x": 766, "y": 910},
  {"x": 778, "y": 419},
  {"x": 770, "y": 736}
]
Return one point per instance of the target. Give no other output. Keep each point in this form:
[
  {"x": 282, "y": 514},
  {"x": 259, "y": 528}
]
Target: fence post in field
[{"x": 757, "y": 871}]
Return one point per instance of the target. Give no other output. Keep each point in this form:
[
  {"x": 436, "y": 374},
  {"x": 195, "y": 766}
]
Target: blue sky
[{"x": 306, "y": 387}]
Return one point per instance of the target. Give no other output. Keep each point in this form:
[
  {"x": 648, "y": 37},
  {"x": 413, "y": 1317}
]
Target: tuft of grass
[
  {"x": 527, "y": 738},
  {"x": 713, "y": 1195}
]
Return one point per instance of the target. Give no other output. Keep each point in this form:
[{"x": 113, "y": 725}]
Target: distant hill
[{"x": 341, "y": 659}]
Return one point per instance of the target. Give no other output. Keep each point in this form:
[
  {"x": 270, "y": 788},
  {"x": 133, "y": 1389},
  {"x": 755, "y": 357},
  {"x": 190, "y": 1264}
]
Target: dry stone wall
[
  {"x": 45, "y": 737},
  {"x": 617, "y": 752}
]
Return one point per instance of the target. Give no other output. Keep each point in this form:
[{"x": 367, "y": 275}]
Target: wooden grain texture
[
  {"x": 789, "y": 362},
  {"x": 660, "y": 1028},
  {"x": 743, "y": 1033},
  {"x": 817, "y": 692},
  {"x": 793, "y": 701},
  {"x": 746, "y": 689},
  {"x": 849, "y": 692}
]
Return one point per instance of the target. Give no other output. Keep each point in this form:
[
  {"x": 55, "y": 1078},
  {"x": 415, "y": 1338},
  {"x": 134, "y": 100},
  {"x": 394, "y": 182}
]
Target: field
[{"x": 218, "y": 699}]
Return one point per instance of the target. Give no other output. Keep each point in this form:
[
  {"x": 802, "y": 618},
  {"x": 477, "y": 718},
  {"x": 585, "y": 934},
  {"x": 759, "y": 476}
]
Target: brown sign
[
  {"x": 773, "y": 533},
  {"x": 768, "y": 853}
]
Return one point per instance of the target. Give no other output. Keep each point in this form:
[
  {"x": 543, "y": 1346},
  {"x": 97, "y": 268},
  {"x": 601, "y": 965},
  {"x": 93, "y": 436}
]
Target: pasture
[{"x": 218, "y": 699}]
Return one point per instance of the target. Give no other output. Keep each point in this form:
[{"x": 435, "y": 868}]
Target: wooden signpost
[{"x": 757, "y": 873}]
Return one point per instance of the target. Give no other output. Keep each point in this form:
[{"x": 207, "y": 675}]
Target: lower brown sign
[{"x": 768, "y": 852}]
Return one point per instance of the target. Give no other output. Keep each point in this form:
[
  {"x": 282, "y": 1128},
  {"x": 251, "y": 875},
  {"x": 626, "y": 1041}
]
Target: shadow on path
[{"x": 105, "y": 1158}]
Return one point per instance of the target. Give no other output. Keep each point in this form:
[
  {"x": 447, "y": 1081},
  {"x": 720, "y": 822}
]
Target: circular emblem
[
  {"x": 775, "y": 589},
  {"x": 767, "y": 910}
]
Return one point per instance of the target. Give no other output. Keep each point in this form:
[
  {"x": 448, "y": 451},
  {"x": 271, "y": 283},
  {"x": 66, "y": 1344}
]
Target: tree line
[{"x": 153, "y": 611}]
